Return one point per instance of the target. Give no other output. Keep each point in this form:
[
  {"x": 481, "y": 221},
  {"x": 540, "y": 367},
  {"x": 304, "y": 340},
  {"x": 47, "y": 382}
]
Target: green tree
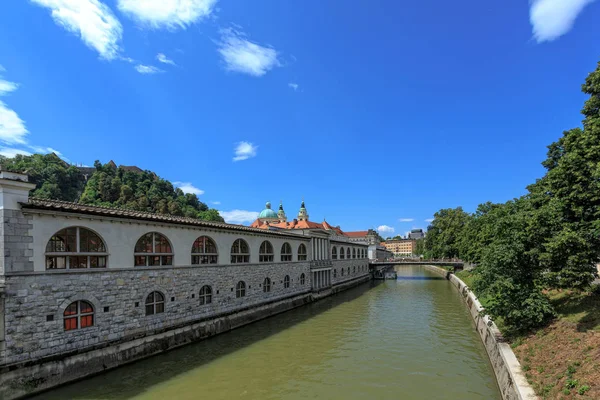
[{"x": 444, "y": 233}]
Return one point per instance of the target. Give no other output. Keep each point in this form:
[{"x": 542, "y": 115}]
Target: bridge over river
[{"x": 410, "y": 338}]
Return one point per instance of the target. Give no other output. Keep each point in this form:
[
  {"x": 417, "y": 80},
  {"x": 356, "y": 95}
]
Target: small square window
[
  {"x": 49, "y": 317},
  {"x": 106, "y": 309},
  {"x": 217, "y": 292},
  {"x": 193, "y": 295},
  {"x": 137, "y": 303},
  {"x": 172, "y": 298}
]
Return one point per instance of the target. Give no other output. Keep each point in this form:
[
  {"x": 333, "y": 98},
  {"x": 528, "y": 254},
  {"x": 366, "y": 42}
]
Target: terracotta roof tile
[
  {"x": 56, "y": 205},
  {"x": 357, "y": 234}
]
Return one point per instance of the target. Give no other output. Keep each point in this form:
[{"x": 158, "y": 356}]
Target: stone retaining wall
[
  {"x": 29, "y": 378},
  {"x": 511, "y": 379}
]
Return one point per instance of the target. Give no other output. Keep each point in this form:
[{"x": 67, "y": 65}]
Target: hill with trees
[{"x": 107, "y": 185}]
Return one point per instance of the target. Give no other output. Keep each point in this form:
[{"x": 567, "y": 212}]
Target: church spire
[
  {"x": 302, "y": 214},
  {"x": 281, "y": 214}
]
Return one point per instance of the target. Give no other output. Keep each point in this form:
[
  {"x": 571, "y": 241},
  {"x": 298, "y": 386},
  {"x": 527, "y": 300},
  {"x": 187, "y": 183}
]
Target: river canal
[{"x": 405, "y": 339}]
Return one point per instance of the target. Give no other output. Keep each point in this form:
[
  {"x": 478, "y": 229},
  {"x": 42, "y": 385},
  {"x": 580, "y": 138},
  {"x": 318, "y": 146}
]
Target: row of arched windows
[
  {"x": 361, "y": 268},
  {"x": 80, "y": 314},
  {"x": 78, "y": 247},
  {"x": 347, "y": 253}
]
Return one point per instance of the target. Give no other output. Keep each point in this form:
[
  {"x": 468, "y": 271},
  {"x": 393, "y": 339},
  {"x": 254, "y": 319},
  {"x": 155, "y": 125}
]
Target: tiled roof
[
  {"x": 357, "y": 234},
  {"x": 56, "y": 205}
]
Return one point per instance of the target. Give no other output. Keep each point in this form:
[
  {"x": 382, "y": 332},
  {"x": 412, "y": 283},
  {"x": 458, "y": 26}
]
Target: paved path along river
[{"x": 405, "y": 339}]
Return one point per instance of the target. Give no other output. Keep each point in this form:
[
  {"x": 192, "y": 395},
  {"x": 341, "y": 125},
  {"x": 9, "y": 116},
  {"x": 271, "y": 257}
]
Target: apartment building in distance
[{"x": 401, "y": 247}]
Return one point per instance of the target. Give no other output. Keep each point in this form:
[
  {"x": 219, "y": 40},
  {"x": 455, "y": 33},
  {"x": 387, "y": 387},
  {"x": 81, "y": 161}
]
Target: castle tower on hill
[{"x": 302, "y": 214}]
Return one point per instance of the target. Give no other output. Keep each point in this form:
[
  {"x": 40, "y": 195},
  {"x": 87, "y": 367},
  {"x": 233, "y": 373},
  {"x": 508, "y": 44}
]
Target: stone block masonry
[{"x": 511, "y": 380}]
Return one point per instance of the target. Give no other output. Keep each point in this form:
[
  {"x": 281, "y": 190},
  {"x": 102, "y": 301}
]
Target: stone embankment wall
[
  {"x": 510, "y": 377},
  {"x": 28, "y": 377}
]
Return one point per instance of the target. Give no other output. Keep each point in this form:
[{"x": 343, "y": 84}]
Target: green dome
[{"x": 267, "y": 212}]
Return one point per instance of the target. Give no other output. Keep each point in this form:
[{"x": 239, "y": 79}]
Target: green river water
[{"x": 406, "y": 339}]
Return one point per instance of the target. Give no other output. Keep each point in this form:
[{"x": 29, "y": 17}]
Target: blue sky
[{"x": 377, "y": 113}]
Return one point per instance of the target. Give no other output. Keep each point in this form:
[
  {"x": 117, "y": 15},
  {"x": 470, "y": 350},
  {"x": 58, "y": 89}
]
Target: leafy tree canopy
[{"x": 108, "y": 185}]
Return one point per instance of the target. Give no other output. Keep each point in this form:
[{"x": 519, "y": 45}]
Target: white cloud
[
  {"x": 147, "y": 69},
  {"x": 429, "y": 220},
  {"x": 7, "y": 87},
  {"x": 187, "y": 187},
  {"x": 244, "y": 151},
  {"x": 293, "y": 86},
  {"x": 163, "y": 59},
  {"x": 12, "y": 127},
  {"x": 244, "y": 56},
  {"x": 385, "y": 230},
  {"x": 239, "y": 216},
  {"x": 11, "y": 152},
  {"x": 553, "y": 18},
  {"x": 406, "y": 219},
  {"x": 216, "y": 203},
  {"x": 92, "y": 20},
  {"x": 167, "y": 13}
]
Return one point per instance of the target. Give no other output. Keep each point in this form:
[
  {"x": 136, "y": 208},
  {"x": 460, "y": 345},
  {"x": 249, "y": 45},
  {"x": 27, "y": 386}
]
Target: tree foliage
[
  {"x": 549, "y": 238},
  {"x": 109, "y": 186}
]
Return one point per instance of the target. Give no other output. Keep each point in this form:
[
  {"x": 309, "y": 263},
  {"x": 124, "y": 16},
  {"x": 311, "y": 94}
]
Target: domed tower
[
  {"x": 281, "y": 213},
  {"x": 302, "y": 214},
  {"x": 268, "y": 215}
]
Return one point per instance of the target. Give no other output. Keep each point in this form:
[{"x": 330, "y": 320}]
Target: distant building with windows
[
  {"x": 401, "y": 247},
  {"x": 416, "y": 234}
]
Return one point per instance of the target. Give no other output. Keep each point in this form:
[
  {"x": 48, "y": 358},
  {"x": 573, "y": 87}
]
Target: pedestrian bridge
[{"x": 455, "y": 264}]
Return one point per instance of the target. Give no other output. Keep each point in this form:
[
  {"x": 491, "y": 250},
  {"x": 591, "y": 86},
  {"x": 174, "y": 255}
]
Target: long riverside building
[{"x": 85, "y": 288}]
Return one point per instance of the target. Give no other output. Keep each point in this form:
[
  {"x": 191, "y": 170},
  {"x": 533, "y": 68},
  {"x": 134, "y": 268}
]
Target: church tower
[
  {"x": 302, "y": 214},
  {"x": 281, "y": 213}
]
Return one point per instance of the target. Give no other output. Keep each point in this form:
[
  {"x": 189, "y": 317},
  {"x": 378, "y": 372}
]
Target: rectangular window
[
  {"x": 140, "y": 261},
  {"x": 149, "y": 309},
  {"x": 302, "y": 257},
  {"x": 87, "y": 320},
  {"x": 160, "y": 307},
  {"x": 167, "y": 260},
  {"x": 153, "y": 260},
  {"x": 53, "y": 262},
  {"x": 70, "y": 323}
]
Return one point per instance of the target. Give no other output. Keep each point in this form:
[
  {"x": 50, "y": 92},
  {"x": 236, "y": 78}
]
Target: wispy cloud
[
  {"x": 91, "y": 20},
  {"x": 244, "y": 151},
  {"x": 169, "y": 14},
  {"x": 216, "y": 203},
  {"x": 243, "y": 56},
  {"x": 163, "y": 59},
  {"x": 147, "y": 69},
  {"x": 553, "y": 18},
  {"x": 12, "y": 127},
  {"x": 385, "y": 230},
  {"x": 238, "y": 216},
  {"x": 429, "y": 220},
  {"x": 406, "y": 219},
  {"x": 11, "y": 152},
  {"x": 293, "y": 86},
  {"x": 187, "y": 187}
]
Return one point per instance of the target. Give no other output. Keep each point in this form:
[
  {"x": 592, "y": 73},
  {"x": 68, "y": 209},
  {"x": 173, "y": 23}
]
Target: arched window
[
  {"x": 286, "y": 282},
  {"x": 354, "y": 270},
  {"x": 204, "y": 251},
  {"x": 267, "y": 285},
  {"x": 353, "y": 253},
  {"x": 333, "y": 253},
  {"x": 240, "y": 289},
  {"x": 153, "y": 249},
  {"x": 265, "y": 253},
  {"x": 302, "y": 254},
  {"x": 348, "y": 253},
  {"x": 75, "y": 247},
  {"x": 335, "y": 273},
  {"x": 342, "y": 253},
  {"x": 348, "y": 270},
  {"x": 240, "y": 252},
  {"x": 79, "y": 315},
  {"x": 205, "y": 295},
  {"x": 302, "y": 279},
  {"x": 155, "y": 303},
  {"x": 286, "y": 252},
  {"x": 342, "y": 271}
]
